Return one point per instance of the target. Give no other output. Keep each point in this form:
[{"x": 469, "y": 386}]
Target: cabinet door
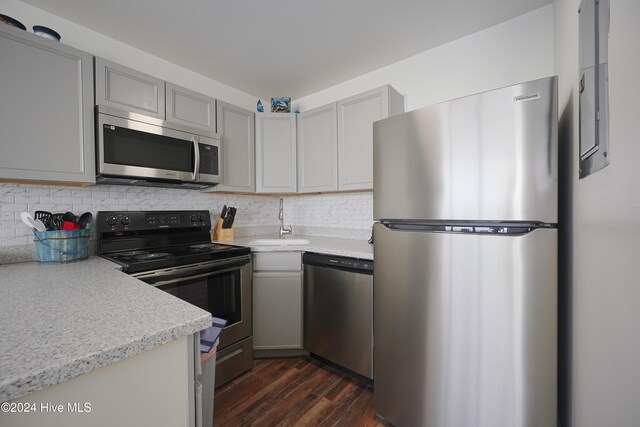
[
  {"x": 317, "y": 146},
  {"x": 190, "y": 108},
  {"x": 121, "y": 87},
  {"x": 275, "y": 153},
  {"x": 355, "y": 137},
  {"x": 46, "y": 110},
  {"x": 236, "y": 127},
  {"x": 277, "y": 310}
]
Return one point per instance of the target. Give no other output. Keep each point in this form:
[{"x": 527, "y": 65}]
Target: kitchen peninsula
[{"x": 85, "y": 332}]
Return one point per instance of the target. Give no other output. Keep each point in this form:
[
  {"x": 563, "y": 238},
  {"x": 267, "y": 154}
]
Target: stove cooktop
[
  {"x": 142, "y": 241},
  {"x": 133, "y": 261}
]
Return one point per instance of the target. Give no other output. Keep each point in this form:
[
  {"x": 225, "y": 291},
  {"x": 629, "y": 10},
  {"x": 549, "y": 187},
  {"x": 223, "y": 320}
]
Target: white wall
[
  {"x": 514, "y": 51},
  {"x": 603, "y": 281},
  {"x": 100, "y": 45}
]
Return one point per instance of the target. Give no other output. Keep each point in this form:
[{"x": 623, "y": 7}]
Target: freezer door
[
  {"x": 465, "y": 328},
  {"x": 491, "y": 156}
]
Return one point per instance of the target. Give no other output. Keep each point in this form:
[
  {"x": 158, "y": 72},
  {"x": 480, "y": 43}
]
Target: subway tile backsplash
[{"x": 348, "y": 215}]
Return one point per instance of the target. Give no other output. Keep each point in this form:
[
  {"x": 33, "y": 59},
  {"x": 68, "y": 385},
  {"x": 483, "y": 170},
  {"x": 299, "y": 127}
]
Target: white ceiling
[{"x": 286, "y": 47}]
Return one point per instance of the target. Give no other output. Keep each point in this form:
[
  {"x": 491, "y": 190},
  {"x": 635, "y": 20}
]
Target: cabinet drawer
[{"x": 277, "y": 261}]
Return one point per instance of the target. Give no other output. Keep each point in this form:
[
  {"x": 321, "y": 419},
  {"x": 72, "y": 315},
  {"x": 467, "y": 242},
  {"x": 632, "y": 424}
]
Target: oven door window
[{"x": 219, "y": 294}]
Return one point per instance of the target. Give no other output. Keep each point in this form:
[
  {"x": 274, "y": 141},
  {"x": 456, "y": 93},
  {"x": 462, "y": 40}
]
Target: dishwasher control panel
[
  {"x": 351, "y": 263},
  {"x": 358, "y": 265}
]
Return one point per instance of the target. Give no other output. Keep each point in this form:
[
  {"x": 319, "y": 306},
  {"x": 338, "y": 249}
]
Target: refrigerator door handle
[{"x": 498, "y": 228}]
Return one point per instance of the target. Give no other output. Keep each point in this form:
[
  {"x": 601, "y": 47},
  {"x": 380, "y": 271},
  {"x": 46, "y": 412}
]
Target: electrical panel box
[{"x": 594, "y": 86}]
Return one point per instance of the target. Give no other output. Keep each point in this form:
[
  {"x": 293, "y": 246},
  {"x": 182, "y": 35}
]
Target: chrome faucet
[{"x": 283, "y": 230}]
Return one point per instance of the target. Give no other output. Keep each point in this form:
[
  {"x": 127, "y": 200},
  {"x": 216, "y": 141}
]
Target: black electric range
[
  {"x": 172, "y": 251},
  {"x": 151, "y": 240}
]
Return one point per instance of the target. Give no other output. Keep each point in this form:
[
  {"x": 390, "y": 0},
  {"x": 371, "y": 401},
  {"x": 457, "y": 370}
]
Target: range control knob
[
  {"x": 194, "y": 217},
  {"x": 125, "y": 220},
  {"x": 112, "y": 221},
  {"x": 202, "y": 217}
]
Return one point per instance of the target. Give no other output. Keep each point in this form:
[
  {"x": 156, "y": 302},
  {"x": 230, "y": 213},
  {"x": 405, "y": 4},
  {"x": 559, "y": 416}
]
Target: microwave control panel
[{"x": 208, "y": 159}]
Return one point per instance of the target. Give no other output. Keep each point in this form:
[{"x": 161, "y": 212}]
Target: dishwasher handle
[{"x": 334, "y": 262}]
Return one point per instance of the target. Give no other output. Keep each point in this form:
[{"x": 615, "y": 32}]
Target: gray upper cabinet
[
  {"x": 46, "y": 110},
  {"x": 355, "y": 134},
  {"x": 236, "y": 126},
  {"x": 127, "y": 89},
  {"x": 190, "y": 108},
  {"x": 275, "y": 153},
  {"x": 317, "y": 147}
]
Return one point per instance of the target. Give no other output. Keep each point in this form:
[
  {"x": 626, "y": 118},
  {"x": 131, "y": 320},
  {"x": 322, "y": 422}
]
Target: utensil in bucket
[{"x": 43, "y": 216}]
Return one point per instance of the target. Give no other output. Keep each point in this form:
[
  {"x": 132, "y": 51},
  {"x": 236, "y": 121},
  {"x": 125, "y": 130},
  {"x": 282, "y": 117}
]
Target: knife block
[{"x": 222, "y": 233}]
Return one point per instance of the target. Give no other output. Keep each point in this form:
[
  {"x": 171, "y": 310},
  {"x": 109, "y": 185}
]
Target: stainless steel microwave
[{"x": 140, "y": 150}]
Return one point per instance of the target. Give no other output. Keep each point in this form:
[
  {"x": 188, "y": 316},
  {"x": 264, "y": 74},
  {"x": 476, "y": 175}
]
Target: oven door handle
[
  {"x": 190, "y": 277},
  {"x": 197, "y": 276},
  {"x": 205, "y": 266}
]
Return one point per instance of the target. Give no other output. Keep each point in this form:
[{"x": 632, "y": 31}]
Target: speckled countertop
[
  {"x": 61, "y": 321},
  {"x": 325, "y": 245}
]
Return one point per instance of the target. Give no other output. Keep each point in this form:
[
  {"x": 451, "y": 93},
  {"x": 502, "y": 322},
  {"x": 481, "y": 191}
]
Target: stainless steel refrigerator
[{"x": 465, "y": 272}]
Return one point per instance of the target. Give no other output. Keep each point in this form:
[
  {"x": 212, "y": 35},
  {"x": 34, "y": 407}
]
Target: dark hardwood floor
[{"x": 297, "y": 391}]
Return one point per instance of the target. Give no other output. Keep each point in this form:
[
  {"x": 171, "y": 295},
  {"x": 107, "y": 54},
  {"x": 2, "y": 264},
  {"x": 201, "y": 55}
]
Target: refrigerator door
[
  {"x": 491, "y": 156},
  {"x": 465, "y": 328}
]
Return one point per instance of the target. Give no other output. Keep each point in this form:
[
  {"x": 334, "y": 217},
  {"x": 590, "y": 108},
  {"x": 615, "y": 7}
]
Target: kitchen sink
[{"x": 278, "y": 242}]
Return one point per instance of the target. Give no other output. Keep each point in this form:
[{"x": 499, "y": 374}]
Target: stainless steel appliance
[
  {"x": 338, "y": 304},
  {"x": 136, "y": 149},
  {"x": 465, "y": 289},
  {"x": 172, "y": 251}
]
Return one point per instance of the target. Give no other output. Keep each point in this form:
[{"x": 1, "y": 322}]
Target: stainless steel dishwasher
[{"x": 338, "y": 310}]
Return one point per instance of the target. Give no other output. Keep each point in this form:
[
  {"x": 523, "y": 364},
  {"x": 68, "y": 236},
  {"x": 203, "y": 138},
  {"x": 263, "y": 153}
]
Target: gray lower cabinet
[
  {"x": 190, "y": 108},
  {"x": 46, "y": 110},
  {"x": 125, "y": 88},
  {"x": 236, "y": 127},
  {"x": 275, "y": 153},
  {"x": 317, "y": 149},
  {"x": 355, "y": 134},
  {"x": 277, "y": 301}
]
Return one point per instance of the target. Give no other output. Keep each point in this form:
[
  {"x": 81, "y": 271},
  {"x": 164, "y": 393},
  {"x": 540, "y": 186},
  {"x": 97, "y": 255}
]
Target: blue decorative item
[
  {"x": 61, "y": 246},
  {"x": 296, "y": 111},
  {"x": 13, "y": 22},
  {"x": 281, "y": 105},
  {"x": 45, "y": 32},
  {"x": 260, "y": 107}
]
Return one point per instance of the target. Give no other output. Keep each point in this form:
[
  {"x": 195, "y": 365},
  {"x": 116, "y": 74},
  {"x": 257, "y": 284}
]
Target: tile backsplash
[
  {"x": 348, "y": 215},
  {"x": 15, "y": 198}
]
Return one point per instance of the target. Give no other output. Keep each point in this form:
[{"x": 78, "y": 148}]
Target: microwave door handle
[{"x": 196, "y": 166}]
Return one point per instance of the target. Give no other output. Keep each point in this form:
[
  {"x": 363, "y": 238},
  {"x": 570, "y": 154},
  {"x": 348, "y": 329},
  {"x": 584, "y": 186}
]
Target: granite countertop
[
  {"x": 325, "y": 245},
  {"x": 59, "y": 321}
]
